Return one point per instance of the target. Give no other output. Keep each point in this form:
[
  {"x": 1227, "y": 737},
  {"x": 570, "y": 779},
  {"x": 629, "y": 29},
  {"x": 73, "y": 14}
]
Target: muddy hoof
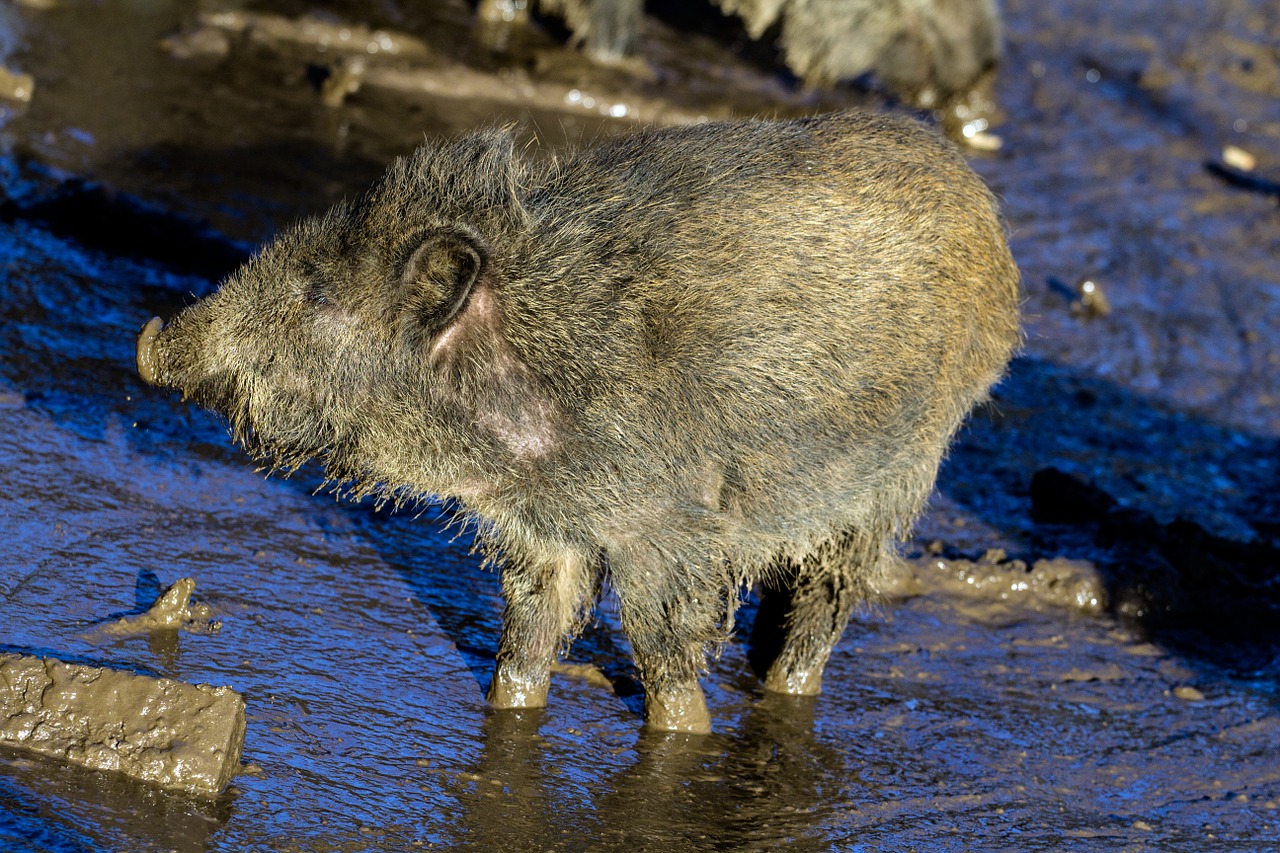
[
  {"x": 803, "y": 682},
  {"x": 510, "y": 690},
  {"x": 683, "y": 710}
]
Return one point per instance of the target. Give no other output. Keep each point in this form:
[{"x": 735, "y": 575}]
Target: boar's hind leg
[
  {"x": 671, "y": 611},
  {"x": 545, "y": 603},
  {"x": 819, "y": 594}
]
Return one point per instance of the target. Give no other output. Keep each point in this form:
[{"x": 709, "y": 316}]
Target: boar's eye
[
  {"x": 314, "y": 290},
  {"x": 439, "y": 272},
  {"x": 316, "y": 295}
]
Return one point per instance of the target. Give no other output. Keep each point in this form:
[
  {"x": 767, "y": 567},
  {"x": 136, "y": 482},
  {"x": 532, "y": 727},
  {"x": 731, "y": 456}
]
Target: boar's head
[{"x": 371, "y": 337}]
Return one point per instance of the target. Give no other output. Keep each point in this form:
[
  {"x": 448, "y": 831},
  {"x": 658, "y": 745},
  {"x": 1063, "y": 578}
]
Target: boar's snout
[{"x": 147, "y": 367}]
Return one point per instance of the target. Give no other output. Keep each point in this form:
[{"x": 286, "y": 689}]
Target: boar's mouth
[{"x": 284, "y": 447}]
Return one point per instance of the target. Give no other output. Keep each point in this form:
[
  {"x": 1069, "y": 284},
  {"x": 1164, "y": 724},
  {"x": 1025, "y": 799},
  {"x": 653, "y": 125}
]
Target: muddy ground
[{"x": 1123, "y": 697}]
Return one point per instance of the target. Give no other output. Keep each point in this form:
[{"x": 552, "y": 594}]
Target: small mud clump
[
  {"x": 683, "y": 360},
  {"x": 172, "y": 611}
]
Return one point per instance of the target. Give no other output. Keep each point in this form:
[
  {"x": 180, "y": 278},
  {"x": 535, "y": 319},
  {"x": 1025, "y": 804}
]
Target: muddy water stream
[{"x": 1122, "y": 698}]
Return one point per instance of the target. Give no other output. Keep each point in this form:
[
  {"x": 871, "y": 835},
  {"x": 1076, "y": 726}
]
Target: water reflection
[
  {"x": 52, "y": 807},
  {"x": 764, "y": 786}
]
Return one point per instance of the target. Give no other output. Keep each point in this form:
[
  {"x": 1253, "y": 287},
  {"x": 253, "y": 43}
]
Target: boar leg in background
[{"x": 820, "y": 594}]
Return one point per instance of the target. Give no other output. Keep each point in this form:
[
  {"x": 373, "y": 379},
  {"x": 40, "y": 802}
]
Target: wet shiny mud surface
[{"x": 1122, "y": 698}]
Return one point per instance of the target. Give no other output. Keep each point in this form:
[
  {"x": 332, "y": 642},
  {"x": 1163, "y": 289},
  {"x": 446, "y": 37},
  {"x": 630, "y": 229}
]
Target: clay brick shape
[{"x": 184, "y": 737}]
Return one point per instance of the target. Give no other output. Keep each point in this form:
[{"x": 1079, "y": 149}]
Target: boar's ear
[{"x": 439, "y": 272}]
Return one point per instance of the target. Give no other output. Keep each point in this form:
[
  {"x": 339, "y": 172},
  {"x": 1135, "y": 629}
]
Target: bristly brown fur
[{"x": 684, "y": 359}]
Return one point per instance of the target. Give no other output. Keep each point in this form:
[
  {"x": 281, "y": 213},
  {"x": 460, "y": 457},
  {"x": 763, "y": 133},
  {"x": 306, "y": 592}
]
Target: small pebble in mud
[
  {"x": 1087, "y": 298},
  {"x": 1093, "y": 302},
  {"x": 1106, "y": 673},
  {"x": 1238, "y": 158},
  {"x": 16, "y": 86},
  {"x": 1189, "y": 694}
]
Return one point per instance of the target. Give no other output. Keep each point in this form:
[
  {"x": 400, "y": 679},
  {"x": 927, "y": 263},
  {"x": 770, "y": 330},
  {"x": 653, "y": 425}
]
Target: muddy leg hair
[
  {"x": 546, "y": 600},
  {"x": 823, "y": 589},
  {"x": 670, "y": 613}
]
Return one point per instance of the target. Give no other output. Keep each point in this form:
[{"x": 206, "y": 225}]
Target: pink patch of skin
[{"x": 525, "y": 424}]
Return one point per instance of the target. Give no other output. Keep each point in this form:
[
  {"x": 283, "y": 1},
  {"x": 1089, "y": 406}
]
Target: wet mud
[
  {"x": 1080, "y": 650},
  {"x": 172, "y": 611},
  {"x": 174, "y": 735}
]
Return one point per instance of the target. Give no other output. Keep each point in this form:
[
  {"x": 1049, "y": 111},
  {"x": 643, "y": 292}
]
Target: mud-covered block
[{"x": 185, "y": 737}]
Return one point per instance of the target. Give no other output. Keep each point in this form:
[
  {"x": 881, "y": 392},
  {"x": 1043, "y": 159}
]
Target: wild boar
[{"x": 681, "y": 361}]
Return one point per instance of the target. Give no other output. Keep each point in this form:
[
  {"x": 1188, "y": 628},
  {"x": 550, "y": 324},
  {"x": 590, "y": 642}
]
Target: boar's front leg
[
  {"x": 546, "y": 599},
  {"x": 671, "y": 612},
  {"x": 819, "y": 594}
]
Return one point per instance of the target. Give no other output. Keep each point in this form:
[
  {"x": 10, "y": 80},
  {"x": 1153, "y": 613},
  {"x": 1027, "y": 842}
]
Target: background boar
[
  {"x": 928, "y": 52},
  {"x": 682, "y": 360}
]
